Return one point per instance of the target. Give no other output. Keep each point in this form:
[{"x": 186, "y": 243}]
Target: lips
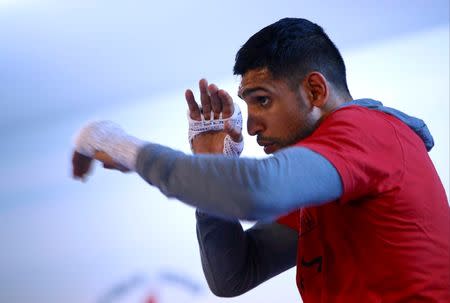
[{"x": 269, "y": 147}]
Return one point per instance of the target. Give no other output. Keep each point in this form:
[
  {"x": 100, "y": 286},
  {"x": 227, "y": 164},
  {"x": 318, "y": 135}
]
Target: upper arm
[
  {"x": 364, "y": 148},
  {"x": 300, "y": 177}
]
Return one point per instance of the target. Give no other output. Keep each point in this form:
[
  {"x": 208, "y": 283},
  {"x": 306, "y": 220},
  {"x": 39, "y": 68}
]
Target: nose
[{"x": 254, "y": 125}]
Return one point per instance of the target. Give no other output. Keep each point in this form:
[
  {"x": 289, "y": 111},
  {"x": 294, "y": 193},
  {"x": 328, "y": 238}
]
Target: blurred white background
[{"x": 114, "y": 238}]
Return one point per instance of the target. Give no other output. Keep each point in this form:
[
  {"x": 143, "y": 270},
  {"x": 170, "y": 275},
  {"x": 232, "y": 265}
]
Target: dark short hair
[{"x": 291, "y": 48}]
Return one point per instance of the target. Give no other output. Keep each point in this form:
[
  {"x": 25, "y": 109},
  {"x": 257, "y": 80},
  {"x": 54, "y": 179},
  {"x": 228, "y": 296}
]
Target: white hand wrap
[
  {"x": 110, "y": 138},
  {"x": 230, "y": 148}
]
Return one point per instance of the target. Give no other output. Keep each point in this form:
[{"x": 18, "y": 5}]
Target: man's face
[{"x": 277, "y": 114}]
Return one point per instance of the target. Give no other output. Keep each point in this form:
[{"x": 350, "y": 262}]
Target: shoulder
[
  {"x": 354, "y": 115},
  {"x": 362, "y": 145},
  {"x": 358, "y": 124}
]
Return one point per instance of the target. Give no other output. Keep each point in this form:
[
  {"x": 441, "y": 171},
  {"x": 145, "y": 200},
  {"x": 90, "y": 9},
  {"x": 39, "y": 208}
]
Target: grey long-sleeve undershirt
[
  {"x": 242, "y": 188},
  {"x": 233, "y": 260}
]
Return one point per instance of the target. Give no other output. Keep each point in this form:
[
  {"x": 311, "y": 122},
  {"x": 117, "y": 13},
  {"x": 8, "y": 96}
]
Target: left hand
[{"x": 218, "y": 101}]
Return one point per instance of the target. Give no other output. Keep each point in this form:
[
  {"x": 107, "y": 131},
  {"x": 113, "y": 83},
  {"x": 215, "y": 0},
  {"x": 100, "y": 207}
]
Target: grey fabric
[
  {"x": 235, "y": 261},
  {"x": 242, "y": 188}
]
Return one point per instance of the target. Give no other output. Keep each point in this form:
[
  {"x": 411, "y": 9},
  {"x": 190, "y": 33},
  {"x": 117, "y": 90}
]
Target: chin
[{"x": 270, "y": 149}]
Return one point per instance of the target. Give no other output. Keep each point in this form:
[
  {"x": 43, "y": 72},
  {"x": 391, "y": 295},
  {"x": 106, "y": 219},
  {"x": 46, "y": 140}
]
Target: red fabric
[
  {"x": 387, "y": 238},
  {"x": 292, "y": 220}
]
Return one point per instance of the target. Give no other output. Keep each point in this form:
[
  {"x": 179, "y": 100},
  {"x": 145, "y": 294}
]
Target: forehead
[
  {"x": 261, "y": 79},
  {"x": 254, "y": 78}
]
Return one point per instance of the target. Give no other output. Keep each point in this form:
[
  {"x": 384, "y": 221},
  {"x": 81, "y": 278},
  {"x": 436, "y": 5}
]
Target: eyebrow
[{"x": 248, "y": 91}]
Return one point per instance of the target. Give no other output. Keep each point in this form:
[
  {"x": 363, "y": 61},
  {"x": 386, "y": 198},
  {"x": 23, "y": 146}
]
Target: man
[{"x": 350, "y": 195}]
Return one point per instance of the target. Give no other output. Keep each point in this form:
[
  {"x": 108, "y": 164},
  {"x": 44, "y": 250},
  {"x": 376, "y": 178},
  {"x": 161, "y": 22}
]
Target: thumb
[{"x": 233, "y": 131}]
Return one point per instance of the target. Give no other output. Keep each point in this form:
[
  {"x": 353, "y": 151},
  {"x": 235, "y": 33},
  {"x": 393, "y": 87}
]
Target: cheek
[
  {"x": 292, "y": 118},
  {"x": 294, "y": 127},
  {"x": 280, "y": 124}
]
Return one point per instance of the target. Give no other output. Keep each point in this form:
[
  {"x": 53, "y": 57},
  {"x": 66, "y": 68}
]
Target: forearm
[
  {"x": 235, "y": 261},
  {"x": 223, "y": 248},
  {"x": 242, "y": 188}
]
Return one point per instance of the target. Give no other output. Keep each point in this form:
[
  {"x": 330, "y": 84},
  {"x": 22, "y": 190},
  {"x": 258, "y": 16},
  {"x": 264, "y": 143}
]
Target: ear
[{"x": 316, "y": 88}]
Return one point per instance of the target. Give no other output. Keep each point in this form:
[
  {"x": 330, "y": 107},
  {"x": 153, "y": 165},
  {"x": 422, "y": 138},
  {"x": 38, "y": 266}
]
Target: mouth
[{"x": 269, "y": 147}]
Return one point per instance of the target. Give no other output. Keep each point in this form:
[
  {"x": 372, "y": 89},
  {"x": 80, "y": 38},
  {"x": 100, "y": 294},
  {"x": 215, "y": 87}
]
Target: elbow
[
  {"x": 224, "y": 291},
  {"x": 250, "y": 210},
  {"x": 227, "y": 286}
]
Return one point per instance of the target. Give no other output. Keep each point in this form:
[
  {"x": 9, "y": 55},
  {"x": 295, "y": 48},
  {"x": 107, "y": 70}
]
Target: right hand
[
  {"x": 81, "y": 164},
  {"x": 218, "y": 101}
]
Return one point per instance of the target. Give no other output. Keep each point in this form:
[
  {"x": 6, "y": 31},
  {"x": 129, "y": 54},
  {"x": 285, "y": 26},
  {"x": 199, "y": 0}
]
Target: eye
[{"x": 263, "y": 100}]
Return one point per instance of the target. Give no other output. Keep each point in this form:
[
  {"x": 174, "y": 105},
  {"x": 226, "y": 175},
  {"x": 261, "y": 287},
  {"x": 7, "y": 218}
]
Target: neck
[{"x": 334, "y": 101}]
